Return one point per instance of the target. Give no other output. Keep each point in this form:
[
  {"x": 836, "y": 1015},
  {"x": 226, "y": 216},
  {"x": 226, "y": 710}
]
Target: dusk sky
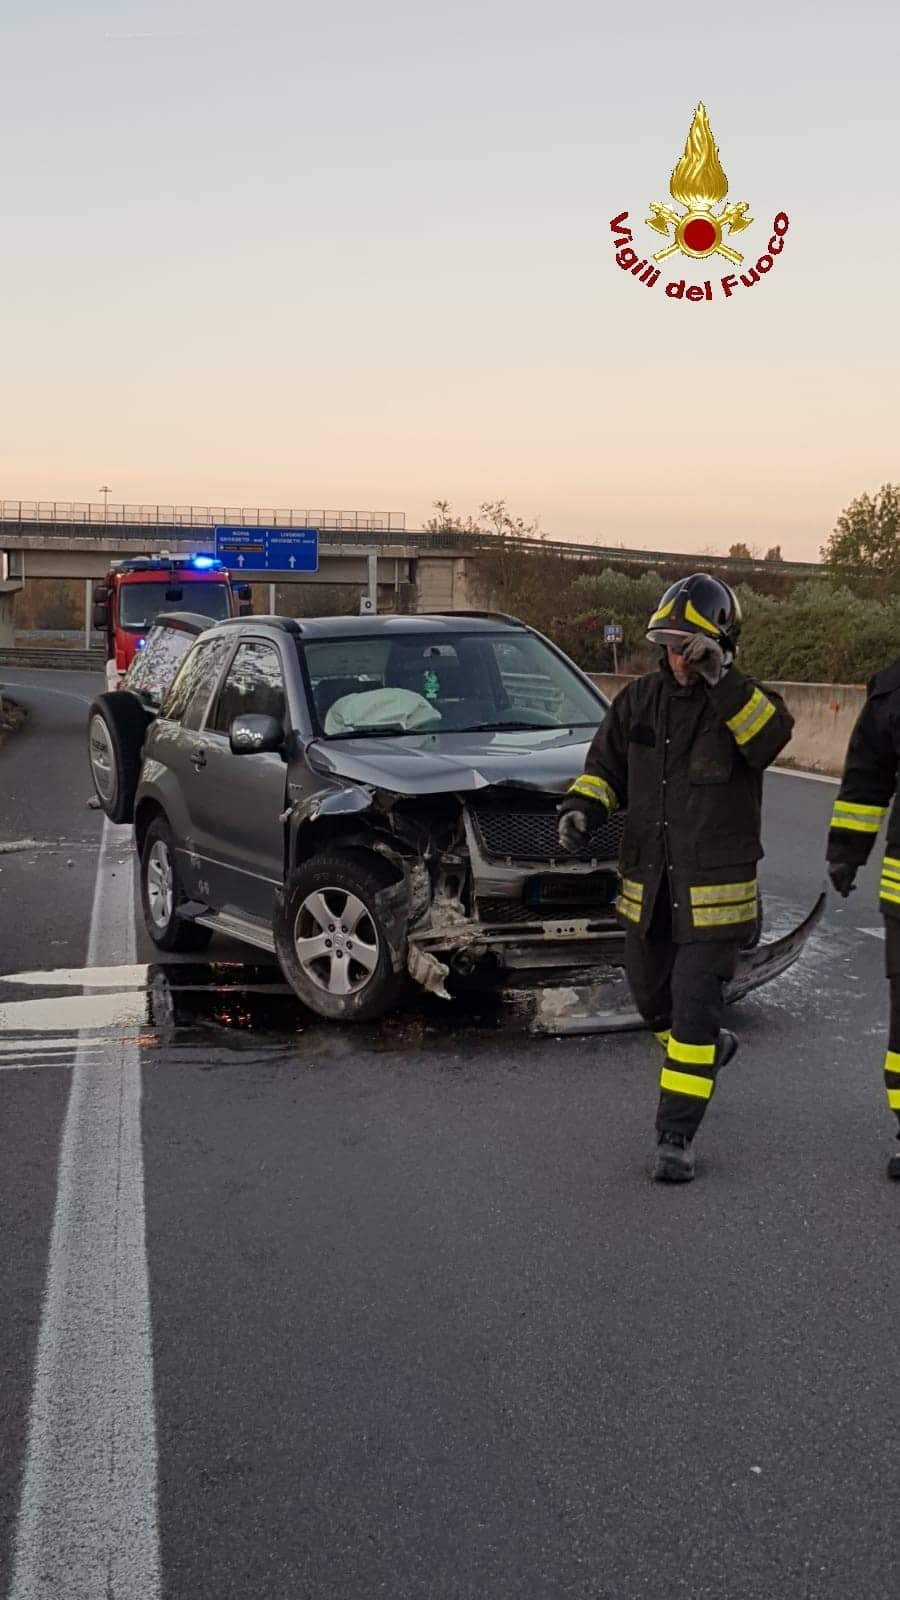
[{"x": 358, "y": 256}]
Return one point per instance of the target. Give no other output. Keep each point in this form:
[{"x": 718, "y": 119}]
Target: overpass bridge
[{"x": 421, "y": 570}]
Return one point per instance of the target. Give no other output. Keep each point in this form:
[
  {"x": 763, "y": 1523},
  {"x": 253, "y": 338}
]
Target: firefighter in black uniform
[
  {"x": 684, "y": 749},
  {"x": 868, "y": 787}
]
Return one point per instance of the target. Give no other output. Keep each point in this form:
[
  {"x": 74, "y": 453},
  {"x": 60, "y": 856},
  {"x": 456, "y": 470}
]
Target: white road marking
[
  {"x": 43, "y": 688},
  {"x": 88, "y": 1526},
  {"x": 874, "y": 933}
]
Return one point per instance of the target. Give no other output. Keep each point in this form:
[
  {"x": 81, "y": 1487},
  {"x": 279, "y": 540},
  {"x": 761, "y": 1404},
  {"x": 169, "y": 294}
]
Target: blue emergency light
[{"x": 205, "y": 563}]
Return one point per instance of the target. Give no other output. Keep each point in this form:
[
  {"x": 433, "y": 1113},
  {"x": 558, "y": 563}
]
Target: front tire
[
  {"x": 332, "y": 939},
  {"x": 162, "y": 894}
]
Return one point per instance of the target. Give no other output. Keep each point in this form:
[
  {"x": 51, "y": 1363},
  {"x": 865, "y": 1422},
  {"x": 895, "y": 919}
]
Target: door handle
[{"x": 199, "y": 759}]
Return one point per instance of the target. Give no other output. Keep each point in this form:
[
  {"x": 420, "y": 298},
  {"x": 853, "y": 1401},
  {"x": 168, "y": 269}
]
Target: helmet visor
[{"x": 670, "y": 639}]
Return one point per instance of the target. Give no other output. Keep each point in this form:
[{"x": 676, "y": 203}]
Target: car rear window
[{"x": 154, "y": 667}]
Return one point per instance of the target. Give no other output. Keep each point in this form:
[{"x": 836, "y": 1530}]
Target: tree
[
  {"x": 774, "y": 554},
  {"x": 740, "y": 552},
  {"x": 494, "y": 517},
  {"x": 867, "y": 534}
]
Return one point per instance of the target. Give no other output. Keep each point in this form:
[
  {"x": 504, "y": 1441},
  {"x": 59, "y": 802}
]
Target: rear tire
[
  {"x": 117, "y": 727},
  {"x": 332, "y": 940},
  {"x": 162, "y": 894}
]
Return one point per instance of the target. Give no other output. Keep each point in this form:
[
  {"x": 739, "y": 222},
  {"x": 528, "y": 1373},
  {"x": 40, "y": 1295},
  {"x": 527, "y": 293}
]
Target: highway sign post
[
  {"x": 613, "y": 634},
  {"x": 268, "y": 549}
]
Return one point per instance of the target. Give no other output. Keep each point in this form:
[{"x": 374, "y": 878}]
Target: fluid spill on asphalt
[{"x": 213, "y": 1006}]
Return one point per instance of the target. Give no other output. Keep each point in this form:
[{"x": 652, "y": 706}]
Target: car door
[
  {"x": 176, "y": 747},
  {"x": 239, "y": 800}
]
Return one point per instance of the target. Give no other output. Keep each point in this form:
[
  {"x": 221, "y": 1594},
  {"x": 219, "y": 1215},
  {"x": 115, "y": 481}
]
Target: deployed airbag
[{"x": 372, "y": 708}]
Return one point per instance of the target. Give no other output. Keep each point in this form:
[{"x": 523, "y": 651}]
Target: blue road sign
[
  {"x": 612, "y": 633},
  {"x": 294, "y": 549},
  {"x": 269, "y": 549}
]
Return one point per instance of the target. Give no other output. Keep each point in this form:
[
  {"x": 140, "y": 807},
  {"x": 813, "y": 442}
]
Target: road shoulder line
[{"x": 88, "y": 1523}]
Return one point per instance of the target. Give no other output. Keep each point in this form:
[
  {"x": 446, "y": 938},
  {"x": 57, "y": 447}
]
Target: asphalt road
[{"x": 419, "y": 1325}]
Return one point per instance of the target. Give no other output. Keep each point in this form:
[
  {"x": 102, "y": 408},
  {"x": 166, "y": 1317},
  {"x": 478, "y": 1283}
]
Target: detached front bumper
[
  {"x": 604, "y": 1003},
  {"x": 598, "y": 998}
]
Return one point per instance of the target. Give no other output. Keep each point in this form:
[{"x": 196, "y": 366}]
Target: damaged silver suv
[{"x": 371, "y": 799}]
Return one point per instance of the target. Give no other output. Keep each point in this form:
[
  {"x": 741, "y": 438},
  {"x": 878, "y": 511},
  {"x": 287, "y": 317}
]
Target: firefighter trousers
[{"x": 679, "y": 991}]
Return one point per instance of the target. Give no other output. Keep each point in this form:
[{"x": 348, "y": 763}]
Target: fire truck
[{"x": 136, "y": 591}]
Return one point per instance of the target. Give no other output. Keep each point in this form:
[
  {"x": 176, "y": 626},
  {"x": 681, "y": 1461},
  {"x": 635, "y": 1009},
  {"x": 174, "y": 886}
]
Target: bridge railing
[{"x": 97, "y": 514}]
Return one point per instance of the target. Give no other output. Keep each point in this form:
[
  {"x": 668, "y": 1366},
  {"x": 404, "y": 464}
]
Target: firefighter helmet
[{"x": 699, "y": 604}]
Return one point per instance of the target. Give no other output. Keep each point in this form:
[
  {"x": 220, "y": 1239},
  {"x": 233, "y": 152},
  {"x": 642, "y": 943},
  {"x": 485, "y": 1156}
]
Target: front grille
[
  {"x": 530, "y": 834},
  {"x": 495, "y": 910}
]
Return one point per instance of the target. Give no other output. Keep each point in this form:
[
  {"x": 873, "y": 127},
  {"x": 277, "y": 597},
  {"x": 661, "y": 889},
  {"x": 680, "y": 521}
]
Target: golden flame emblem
[{"x": 699, "y": 184}]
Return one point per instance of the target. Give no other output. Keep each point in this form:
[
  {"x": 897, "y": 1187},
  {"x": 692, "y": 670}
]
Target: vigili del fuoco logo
[{"x": 699, "y": 231}]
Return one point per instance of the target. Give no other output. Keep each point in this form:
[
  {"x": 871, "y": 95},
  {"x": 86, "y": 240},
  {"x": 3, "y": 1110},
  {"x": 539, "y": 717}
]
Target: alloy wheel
[{"x": 336, "y": 941}]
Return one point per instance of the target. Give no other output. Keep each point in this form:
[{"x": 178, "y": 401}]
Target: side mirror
[
  {"x": 245, "y": 609},
  {"x": 101, "y": 616},
  {"x": 101, "y": 594},
  {"x": 244, "y": 595},
  {"x": 254, "y": 736}
]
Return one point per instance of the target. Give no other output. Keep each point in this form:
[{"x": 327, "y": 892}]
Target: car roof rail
[
  {"x": 286, "y": 624},
  {"x": 487, "y": 616}
]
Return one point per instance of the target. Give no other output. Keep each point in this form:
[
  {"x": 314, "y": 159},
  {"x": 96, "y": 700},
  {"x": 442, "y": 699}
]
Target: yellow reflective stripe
[
  {"x": 891, "y": 1061},
  {"x": 893, "y": 1099},
  {"x": 698, "y": 1055},
  {"x": 891, "y": 861},
  {"x": 687, "y": 1083},
  {"x": 628, "y": 908},
  {"x": 662, "y": 613},
  {"x": 709, "y": 894},
  {"x": 691, "y": 614},
  {"x": 757, "y": 725},
  {"x": 851, "y": 808},
  {"x": 891, "y": 874},
  {"x": 747, "y": 712},
  {"x": 894, "y": 898},
  {"x": 635, "y": 890},
  {"x": 595, "y": 789},
  {"x": 849, "y": 826},
  {"x": 665, "y": 1036},
  {"x": 720, "y": 916}
]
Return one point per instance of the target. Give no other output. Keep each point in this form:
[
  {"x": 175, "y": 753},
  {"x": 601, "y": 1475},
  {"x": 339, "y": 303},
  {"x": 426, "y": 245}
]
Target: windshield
[
  {"x": 450, "y": 683},
  {"x": 141, "y": 603}
]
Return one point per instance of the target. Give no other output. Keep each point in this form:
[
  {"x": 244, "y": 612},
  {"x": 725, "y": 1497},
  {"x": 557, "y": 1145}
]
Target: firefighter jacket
[
  {"x": 687, "y": 763},
  {"x": 869, "y": 785}
]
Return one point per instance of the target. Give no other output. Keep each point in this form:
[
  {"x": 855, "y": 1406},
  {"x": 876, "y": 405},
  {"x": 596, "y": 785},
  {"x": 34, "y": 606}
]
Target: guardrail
[{"x": 98, "y": 513}]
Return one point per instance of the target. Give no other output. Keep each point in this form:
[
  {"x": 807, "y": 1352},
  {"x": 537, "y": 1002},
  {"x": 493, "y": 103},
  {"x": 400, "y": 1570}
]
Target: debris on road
[{"x": 11, "y": 718}]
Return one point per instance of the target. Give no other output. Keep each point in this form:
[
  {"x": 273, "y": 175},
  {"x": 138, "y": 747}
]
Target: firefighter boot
[
  {"x": 674, "y": 1161},
  {"x": 893, "y": 1166}
]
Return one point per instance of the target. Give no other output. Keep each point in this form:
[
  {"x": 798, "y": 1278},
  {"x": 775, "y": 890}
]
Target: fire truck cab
[{"x": 136, "y": 591}]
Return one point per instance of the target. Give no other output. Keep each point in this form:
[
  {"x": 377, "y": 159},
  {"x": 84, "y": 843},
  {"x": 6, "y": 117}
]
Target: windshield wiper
[
  {"x": 378, "y": 730},
  {"x": 510, "y": 727}
]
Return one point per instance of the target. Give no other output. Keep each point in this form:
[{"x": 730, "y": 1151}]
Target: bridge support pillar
[{"x": 8, "y": 592}]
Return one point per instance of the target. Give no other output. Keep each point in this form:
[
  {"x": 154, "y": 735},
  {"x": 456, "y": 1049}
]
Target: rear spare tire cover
[{"x": 117, "y": 726}]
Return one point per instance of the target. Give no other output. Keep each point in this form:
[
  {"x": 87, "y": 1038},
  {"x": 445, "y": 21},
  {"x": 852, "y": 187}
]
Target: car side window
[
  {"x": 217, "y": 653},
  {"x": 189, "y": 695},
  {"x": 254, "y": 686}
]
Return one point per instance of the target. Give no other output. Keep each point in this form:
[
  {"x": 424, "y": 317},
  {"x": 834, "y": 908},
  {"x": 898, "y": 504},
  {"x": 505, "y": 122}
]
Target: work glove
[
  {"x": 574, "y": 822},
  {"x": 842, "y": 875},
  {"x": 706, "y": 656}
]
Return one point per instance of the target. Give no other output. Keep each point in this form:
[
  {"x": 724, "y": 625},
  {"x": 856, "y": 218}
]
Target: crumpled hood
[{"x": 451, "y": 763}]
